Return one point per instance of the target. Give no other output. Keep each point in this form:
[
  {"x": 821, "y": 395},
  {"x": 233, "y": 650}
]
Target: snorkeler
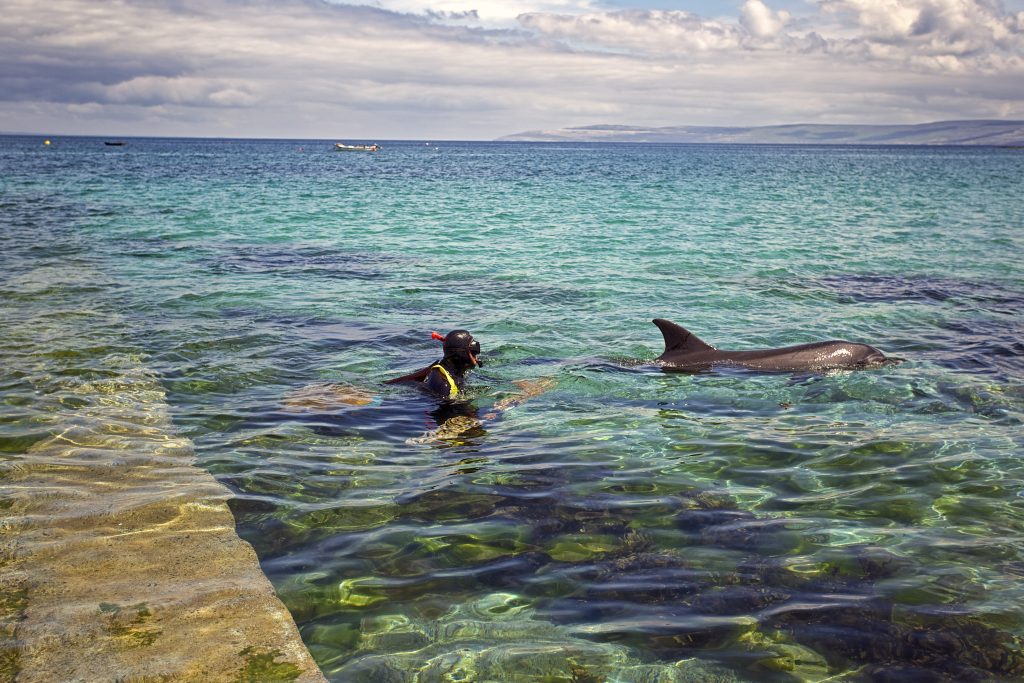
[
  {"x": 455, "y": 415},
  {"x": 446, "y": 377}
]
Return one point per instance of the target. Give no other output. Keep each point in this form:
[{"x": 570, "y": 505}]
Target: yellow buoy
[{"x": 46, "y": 142}]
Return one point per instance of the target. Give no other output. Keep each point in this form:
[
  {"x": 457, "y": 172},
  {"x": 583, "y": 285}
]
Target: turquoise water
[{"x": 624, "y": 524}]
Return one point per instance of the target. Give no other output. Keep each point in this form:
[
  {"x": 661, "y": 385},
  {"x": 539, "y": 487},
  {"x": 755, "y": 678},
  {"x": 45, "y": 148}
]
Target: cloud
[
  {"x": 311, "y": 68},
  {"x": 960, "y": 36},
  {"x": 959, "y": 33},
  {"x": 178, "y": 90},
  {"x": 638, "y": 31},
  {"x": 491, "y": 13},
  {"x": 760, "y": 21}
]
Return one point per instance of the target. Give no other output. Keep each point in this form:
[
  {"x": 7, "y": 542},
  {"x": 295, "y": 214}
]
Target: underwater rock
[
  {"x": 782, "y": 655},
  {"x": 810, "y": 608},
  {"x": 497, "y": 637},
  {"x": 954, "y": 648},
  {"x": 798, "y": 661},
  {"x": 375, "y": 669},
  {"x": 327, "y": 397},
  {"x": 737, "y": 599},
  {"x": 774, "y": 536},
  {"x": 780, "y": 612},
  {"x": 852, "y": 571},
  {"x": 698, "y": 520}
]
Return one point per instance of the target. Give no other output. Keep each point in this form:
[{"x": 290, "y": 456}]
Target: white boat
[{"x": 342, "y": 147}]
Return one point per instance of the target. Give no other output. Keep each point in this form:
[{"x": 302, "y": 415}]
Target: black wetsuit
[{"x": 443, "y": 380}]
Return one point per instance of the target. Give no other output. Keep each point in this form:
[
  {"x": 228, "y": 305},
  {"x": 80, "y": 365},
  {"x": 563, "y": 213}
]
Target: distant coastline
[
  {"x": 972, "y": 132},
  {"x": 1007, "y": 134}
]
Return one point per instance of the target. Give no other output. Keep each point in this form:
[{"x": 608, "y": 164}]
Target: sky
[{"x": 477, "y": 70}]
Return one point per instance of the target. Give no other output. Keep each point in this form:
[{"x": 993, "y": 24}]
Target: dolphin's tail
[{"x": 680, "y": 339}]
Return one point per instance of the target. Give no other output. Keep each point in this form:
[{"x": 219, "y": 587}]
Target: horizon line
[{"x": 500, "y": 138}]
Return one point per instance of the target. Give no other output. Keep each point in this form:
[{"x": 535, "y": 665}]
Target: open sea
[{"x": 602, "y": 520}]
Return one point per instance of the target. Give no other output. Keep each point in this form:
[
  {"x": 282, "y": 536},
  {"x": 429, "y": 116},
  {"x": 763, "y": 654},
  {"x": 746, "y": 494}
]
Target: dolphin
[{"x": 685, "y": 352}]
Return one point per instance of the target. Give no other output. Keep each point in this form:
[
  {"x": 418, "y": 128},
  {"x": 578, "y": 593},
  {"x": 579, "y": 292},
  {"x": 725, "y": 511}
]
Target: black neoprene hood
[
  {"x": 462, "y": 350},
  {"x": 461, "y": 339}
]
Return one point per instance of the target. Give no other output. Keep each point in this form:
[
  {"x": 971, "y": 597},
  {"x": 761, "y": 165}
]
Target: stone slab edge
[{"x": 119, "y": 557}]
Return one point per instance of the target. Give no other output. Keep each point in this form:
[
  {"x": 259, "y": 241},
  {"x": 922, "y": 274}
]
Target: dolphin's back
[
  {"x": 825, "y": 355},
  {"x": 685, "y": 351}
]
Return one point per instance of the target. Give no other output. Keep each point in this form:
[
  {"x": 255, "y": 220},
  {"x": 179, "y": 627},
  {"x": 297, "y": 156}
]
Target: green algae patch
[
  {"x": 360, "y": 592},
  {"x": 344, "y": 518},
  {"x": 482, "y": 552},
  {"x": 501, "y": 605},
  {"x": 261, "y": 666},
  {"x": 486, "y": 543},
  {"x": 782, "y": 655},
  {"x": 129, "y": 624},
  {"x": 13, "y": 602},
  {"x": 10, "y": 662},
  {"x": 581, "y": 548}
]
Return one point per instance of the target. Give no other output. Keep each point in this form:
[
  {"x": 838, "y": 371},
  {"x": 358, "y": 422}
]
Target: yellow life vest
[{"x": 451, "y": 382}]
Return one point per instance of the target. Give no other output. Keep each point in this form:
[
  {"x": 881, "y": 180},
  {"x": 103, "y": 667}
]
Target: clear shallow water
[{"x": 627, "y": 524}]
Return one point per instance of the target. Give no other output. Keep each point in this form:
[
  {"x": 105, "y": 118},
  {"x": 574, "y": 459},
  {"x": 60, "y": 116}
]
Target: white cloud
[
  {"x": 310, "y": 68},
  {"x": 881, "y": 20},
  {"x": 486, "y": 12},
  {"x": 962, "y": 28},
  {"x": 641, "y": 31},
  {"x": 942, "y": 36},
  {"x": 761, "y": 21}
]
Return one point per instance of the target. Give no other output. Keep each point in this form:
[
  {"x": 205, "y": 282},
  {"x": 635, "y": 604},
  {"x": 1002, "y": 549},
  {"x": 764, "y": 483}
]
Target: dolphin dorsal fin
[{"x": 678, "y": 338}]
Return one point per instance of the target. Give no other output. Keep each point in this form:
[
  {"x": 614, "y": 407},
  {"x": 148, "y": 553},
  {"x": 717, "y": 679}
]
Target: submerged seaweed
[{"x": 823, "y": 616}]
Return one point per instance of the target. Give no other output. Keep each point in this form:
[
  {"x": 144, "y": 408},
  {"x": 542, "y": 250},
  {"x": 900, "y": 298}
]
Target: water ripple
[{"x": 623, "y": 523}]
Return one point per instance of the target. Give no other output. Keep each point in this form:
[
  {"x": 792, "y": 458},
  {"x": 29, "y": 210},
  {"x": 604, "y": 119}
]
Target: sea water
[{"x": 596, "y": 519}]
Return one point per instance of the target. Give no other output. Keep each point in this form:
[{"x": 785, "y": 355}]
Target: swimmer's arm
[
  {"x": 528, "y": 388},
  {"x": 417, "y": 376}
]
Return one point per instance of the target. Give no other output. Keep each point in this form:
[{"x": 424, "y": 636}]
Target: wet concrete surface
[{"x": 120, "y": 560}]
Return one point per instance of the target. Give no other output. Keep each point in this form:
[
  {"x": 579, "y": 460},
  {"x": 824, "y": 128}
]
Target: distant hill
[{"x": 999, "y": 133}]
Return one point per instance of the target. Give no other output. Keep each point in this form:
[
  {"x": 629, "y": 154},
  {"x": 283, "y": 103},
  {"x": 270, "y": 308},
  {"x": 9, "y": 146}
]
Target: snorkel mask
[{"x": 460, "y": 347}]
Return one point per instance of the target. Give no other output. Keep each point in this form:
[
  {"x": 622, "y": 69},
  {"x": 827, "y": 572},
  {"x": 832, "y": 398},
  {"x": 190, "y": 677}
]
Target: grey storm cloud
[{"x": 306, "y": 67}]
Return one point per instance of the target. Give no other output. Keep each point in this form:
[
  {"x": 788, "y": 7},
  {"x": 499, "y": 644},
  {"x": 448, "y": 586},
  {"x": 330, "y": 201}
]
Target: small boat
[
  {"x": 114, "y": 143},
  {"x": 341, "y": 147}
]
